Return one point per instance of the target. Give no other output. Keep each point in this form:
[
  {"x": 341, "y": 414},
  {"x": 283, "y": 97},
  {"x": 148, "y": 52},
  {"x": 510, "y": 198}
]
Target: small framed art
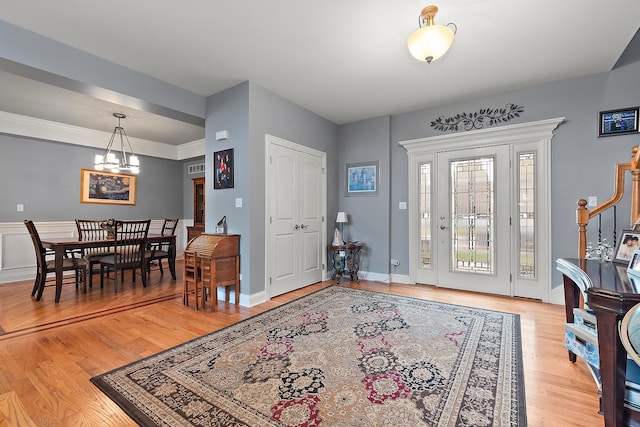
[
  {"x": 362, "y": 179},
  {"x": 633, "y": 269},
  {"x": 616, "y": 122},
  {"x": 107, "y": 188},
  {"x": 223, "y": 169},
  {"x": 626, "y": 246}
]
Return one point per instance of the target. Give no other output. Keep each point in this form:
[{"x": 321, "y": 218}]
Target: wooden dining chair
[
  {"x": 129, "y": 244},
  {"x": 91, "y": 229},
  {"x": 156, "y": 252},
  {"x": 46, "y": 266}
]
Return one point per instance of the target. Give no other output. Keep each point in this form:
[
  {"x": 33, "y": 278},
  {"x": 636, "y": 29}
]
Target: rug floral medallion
[{"x": 337, "y": 357}]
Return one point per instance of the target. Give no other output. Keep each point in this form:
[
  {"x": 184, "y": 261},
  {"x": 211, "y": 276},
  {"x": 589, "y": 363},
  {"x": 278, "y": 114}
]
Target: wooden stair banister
[{"x": 584, "y": 215}]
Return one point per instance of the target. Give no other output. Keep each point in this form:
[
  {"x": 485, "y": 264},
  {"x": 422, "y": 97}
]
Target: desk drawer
[
  {"x": 583, "y": 343},
  {"x": 586, "y": 320}
]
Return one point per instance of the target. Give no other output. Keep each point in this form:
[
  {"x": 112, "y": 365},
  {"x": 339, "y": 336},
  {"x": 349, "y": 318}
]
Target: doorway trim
[{"x": 540, "y": 132}]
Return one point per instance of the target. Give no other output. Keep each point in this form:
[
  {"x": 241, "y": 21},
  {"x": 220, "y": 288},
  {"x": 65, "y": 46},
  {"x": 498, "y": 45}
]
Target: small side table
[{"x": 346, "y": 260}]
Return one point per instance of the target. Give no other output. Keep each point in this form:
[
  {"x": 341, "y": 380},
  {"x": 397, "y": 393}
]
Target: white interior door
[{"x": 295, "y": 229}]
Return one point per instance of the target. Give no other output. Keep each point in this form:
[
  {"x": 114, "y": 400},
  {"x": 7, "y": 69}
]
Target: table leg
[
  {"x": 613, "y": 367},
  {"x": 337, "y": 266},
  {"x": 172, "y": 258},
  {"x": 571, "y": 301},
  {"x": 59, "y": 259}
]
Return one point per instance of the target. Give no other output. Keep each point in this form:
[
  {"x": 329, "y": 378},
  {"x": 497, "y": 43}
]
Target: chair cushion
[
  {"x": 156, "y": 254},
  {"x": 68, "y": 263}
]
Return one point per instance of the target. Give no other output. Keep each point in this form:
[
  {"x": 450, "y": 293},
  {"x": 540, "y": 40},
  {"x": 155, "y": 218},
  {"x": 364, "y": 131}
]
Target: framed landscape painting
[
  {"x": 107, "y": 188},
  {"x": 362, "y": 179}
]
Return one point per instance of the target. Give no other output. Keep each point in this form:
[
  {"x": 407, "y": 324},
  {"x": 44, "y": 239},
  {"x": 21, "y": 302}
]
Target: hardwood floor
[{"x": 49, "y": 351}]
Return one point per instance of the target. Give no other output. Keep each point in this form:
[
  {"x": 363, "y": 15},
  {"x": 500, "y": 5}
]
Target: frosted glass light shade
[
  {"x": 430, "y": 42},
  {"x": 342, "y": 217}
]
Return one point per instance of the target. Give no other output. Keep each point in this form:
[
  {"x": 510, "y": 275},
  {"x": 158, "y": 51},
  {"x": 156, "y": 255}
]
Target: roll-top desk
[
  {"x": 219, "y": 260},
  {"x": 610, "y": 293}
]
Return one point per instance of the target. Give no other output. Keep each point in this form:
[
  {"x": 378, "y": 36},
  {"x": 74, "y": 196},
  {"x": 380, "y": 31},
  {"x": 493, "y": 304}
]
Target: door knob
[
  {"x": 296, "y": 227},
  {"x": 303, "y": 226},
  {"x": 442, "y": 227}
]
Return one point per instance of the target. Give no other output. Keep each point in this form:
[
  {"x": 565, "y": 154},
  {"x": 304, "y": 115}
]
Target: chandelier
[
  {"x": 430, "y": 41},
  {"x": 109, "y": 160}
]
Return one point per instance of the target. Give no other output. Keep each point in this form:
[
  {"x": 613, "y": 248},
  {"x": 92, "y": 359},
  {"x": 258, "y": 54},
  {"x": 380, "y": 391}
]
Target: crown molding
[{"x": 19, "y": 125}]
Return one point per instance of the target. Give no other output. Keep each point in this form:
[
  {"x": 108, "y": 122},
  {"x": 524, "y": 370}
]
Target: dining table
[{"x": 61, "y": 245}]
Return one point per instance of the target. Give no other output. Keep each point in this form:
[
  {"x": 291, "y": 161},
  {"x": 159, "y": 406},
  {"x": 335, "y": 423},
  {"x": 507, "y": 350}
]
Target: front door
[
  {"x": 473, "y": 220},
  {"x": 479, "y": 209}
]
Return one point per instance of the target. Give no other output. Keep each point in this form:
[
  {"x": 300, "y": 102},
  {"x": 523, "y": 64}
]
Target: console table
[
  {"x": 346, "y": 260},
  {"x": 610, "y": 294}
]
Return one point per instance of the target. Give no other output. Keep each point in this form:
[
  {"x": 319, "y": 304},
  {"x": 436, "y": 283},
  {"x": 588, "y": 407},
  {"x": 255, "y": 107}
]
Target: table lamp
[{"x": 342, "y": 219}]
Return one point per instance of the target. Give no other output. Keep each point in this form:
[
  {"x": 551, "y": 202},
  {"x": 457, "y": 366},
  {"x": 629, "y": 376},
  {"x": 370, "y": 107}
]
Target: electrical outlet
[
  {"x": 593, "y": 201},
  {"x": 20, "y": 207}
]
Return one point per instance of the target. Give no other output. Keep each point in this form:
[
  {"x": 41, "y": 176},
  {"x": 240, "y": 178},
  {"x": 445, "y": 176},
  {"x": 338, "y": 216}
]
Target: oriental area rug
[{"x": 336, "y": 357}]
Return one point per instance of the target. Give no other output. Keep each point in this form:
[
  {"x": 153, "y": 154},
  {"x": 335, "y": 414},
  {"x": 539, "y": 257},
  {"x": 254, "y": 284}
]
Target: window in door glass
[
  {"x": 472, "y": 215},
  {"x": 425, "y": 215},
  {"x": 527, "y": 215}
]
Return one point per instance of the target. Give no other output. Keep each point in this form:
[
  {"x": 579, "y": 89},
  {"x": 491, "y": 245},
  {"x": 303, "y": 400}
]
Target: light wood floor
[{"x": 49, "y": 351}]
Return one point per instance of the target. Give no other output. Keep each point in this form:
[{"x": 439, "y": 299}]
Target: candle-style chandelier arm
[{"x": 108, "y": 160}]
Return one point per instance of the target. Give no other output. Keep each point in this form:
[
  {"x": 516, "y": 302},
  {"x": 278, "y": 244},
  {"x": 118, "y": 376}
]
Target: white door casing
[
  {"x": 526, "y": 136},
  {"x": 295, "y": 228}
]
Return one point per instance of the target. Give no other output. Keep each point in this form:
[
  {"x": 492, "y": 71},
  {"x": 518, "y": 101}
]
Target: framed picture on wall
[
  {"x": 362, "y": 179},
  {"x": 223, "y": 169},
  {"x": 617, "y": 122},
  {"x": 107, "y": 187}
]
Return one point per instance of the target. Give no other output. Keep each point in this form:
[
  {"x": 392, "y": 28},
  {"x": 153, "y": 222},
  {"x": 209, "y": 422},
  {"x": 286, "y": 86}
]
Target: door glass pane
[
  {"x": 472, "y": 215},
  {"x": 526, "y": 215},
  {"x": 425, "y": 216}
]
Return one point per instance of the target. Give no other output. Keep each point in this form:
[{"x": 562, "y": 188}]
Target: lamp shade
[
  {"x": 429, "y": 43},
  {"x": 342, "y": 217}
]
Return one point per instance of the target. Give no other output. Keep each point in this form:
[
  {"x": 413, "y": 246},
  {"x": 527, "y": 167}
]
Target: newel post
[{"x": 582, "y": 219}]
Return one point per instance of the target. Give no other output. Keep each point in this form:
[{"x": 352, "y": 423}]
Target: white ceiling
[{"x": 345, "y": 60}]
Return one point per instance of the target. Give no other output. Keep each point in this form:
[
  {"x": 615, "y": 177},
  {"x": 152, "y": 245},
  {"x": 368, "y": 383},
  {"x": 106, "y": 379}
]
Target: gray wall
[
  {"x": 45, "y": 177},
  {"x": 248, "y": 112},
  {"x": 368, "y": 216},
  {"x": 582, "y": 163}
]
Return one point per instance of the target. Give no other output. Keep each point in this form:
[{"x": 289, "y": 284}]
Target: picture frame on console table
[
  {"x": 618, "y": 122},
  {"x": 633, "y": 268},
  {"x": 107, "y": 187},
  {"x": 629, "y": 242}
]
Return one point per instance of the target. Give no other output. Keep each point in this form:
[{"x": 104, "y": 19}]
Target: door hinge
[
  {"x": 270, "y": 220},
  {"x": 269, "y": 280},
  {"x": 322, "y": 218},
  {"x": 510, "y": 277}
]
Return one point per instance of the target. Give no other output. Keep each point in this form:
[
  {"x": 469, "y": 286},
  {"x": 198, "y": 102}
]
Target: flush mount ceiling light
[
  {"x": 430, "y": 41},
  {"x": 109, "y": 161}
]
